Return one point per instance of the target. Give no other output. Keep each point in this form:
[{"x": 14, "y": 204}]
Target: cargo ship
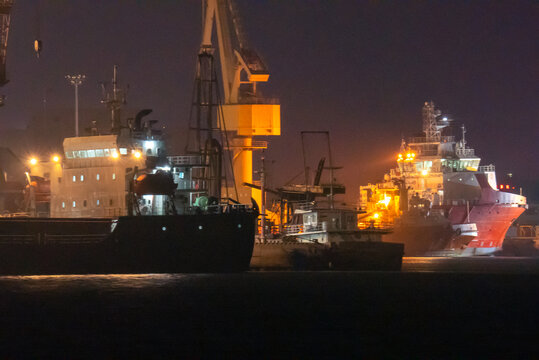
[
  {"x": 440, "y": 200},
  {"x": 116, "y": 203}
]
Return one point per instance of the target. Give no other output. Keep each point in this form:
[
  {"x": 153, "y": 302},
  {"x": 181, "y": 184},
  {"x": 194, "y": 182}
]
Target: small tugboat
[{"x": 323, "y": 237}]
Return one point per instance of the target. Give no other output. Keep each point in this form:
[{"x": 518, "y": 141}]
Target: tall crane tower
[
  {"x": 5, "y": 11},
  {"x": 245, "y": 111}
]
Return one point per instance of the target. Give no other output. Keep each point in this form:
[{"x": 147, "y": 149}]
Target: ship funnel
[{"x": 138, "y": 119}]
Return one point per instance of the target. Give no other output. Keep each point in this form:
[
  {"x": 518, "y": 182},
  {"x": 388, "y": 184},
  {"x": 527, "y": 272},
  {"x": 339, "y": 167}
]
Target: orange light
[
  {"x": 376, "y": 215},
  {"x": 56, "y": 158},
  {"x": 137, "y": 154},
  {"x": 33, "y": 161},
  {"x": 115, "y": 155}
]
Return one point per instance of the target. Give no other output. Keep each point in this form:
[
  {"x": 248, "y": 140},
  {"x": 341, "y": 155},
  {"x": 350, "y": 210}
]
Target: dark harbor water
[{"x": 434, "y": 308}]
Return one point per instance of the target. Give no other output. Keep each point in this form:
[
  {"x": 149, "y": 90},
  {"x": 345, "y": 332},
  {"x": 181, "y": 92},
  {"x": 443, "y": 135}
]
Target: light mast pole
[{"x": 76, "y": 80}]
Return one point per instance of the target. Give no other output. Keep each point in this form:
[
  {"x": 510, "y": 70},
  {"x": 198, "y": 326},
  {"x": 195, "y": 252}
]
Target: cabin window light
[
  {"x": 97, "y": 202},
  {"x": 74, "y": 204},
  {"x": 106, "y": 152},
  {"x": 69, "y": 154},
  {"x": 99, "y": 153},
  {"x": 97, "y": 177},
  {"x": 74, "y": 178},
  {"x": 83, "y": 154},
  {"x": 113, "y": 176},
  {"x": 91, "y": 153},
  {"x": 63, "y": 205},
  {"x": 181, "y": 175},
  {"x": 82, "y": 178},
  {"x": 123, "y": 151}
]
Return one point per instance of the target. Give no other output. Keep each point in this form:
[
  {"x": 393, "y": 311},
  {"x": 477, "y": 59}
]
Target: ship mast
[
  {"x": 114, "y": 101},
  {"x": 430, "y": 125}
]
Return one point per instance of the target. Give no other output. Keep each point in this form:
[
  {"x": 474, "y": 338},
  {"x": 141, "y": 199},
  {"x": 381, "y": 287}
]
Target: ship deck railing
[
  {"x": 377, "y": 225},
  {"x": 425, "y": 140},
  {"x": 186, "y": 160},
  {"x": 43, "y": 239},
  {"x": 486, "y": 168},
  {"x": 305, "y": 229}
]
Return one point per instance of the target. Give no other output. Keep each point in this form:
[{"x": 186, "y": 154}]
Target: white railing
[
  {"x": 305, "y": 229},
  {"x": 487, "y": 168},
  {"x": 465, "y": 152},
  {"x": 185, "y": 160}
]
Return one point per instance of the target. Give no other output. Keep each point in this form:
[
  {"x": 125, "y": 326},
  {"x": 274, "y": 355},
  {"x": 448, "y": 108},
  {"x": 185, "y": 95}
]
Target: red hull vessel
[{"x": 441, "y": 201}]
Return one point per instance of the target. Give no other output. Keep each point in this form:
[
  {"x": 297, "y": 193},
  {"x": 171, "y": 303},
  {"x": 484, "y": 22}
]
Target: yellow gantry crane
[{"x": 246, "y": 113}]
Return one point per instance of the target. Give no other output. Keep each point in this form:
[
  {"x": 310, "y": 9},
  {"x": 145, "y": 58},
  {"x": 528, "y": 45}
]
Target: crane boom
[{"x": 244, "y": 111}]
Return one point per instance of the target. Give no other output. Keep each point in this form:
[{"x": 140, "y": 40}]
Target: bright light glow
[
  {"x": 115, "y": 155},
  {"x": 137, "y": 154},
  {"x": 376, "y": 215},
  {"x": 385, "y": 201},
  {"x": 33, "y": 161},
  {"x": 56, "y": 158},
  {"x": 424, "y": 172}
]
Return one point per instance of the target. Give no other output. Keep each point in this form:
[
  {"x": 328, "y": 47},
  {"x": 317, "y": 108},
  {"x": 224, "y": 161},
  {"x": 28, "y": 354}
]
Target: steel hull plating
[
  {"x": 492, "y": 222},
  {"x": 346, "y": 255},
  {"x": 144, "y": 244}
]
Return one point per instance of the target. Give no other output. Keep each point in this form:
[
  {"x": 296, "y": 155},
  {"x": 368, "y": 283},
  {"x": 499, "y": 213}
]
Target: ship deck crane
[{"x": 245, "y": 112}]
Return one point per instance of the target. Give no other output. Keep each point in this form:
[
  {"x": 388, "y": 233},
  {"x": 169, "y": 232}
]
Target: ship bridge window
[
  {"x": 123, "y": 151},
  {"x": 83, "y": 154},
  {"x": 69, "y": 154},
  {"x": 181, "y": 175},
  {"x": 99, "y": 153},
  {"x": 91, "y": 153}
]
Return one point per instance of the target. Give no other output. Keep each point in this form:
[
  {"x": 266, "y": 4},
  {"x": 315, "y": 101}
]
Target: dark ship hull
[
  {"x": 348, "y": 255},
  {"x": 136, "y": 244}
]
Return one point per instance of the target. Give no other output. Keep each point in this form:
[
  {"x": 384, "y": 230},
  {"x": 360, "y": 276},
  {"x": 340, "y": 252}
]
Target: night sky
[{"x": 361, "y": 70}]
